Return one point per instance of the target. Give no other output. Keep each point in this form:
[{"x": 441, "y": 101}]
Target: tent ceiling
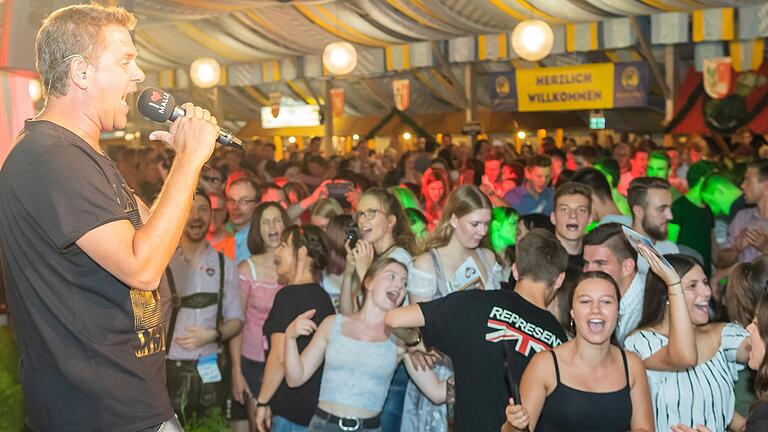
[{"x": 171, "y": 34}]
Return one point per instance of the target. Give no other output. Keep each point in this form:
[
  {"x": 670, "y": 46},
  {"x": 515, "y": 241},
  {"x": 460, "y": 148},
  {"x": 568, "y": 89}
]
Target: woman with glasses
[
  {"x": 382, "y": 230},
  {"x": 360, "y": 353},
  {"x": 456, "y": 256},
  {"x": 258, "y": 286}
]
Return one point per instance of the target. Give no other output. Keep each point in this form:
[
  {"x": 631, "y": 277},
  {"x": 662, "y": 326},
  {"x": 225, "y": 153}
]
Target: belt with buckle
[{"x": 350, "y": 423}]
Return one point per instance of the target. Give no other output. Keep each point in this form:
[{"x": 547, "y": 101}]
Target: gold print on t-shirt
[{"x": 148, "y": 321}]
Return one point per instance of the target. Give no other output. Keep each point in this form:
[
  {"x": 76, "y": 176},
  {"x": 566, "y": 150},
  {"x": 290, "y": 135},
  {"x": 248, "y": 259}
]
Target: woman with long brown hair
[
  {"x": 435, "y": 188},
  {"x": 717, "y": 350},
  {"x": 758, "y": 337},
  {"x": 456, "y": 256},
  {"x": 747, "y": 282}
]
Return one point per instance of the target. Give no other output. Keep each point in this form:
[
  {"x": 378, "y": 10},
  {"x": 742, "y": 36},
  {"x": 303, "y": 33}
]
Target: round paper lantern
[
  {"x": 532, "y": 40},
  {"x": 340, "y": 58},
  {"x": 205, "y": 72}
]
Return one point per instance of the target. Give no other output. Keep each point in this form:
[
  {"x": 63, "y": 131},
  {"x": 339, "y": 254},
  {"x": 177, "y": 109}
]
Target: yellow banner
[{"x": 565, "y": 88}]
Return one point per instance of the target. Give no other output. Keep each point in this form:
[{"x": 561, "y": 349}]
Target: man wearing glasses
[{"x": 243, "y": 195}]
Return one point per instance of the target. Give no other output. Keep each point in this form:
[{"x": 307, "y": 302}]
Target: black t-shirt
[
  {"x": 92, "y": 349},
  {"x": 470, "y": 327},
  {"x": 297, "y": 404},
  {"x": 696, "y": 225}
]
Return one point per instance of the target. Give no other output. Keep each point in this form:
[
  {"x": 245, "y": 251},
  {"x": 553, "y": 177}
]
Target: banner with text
[{"x": 580, "y": 87}]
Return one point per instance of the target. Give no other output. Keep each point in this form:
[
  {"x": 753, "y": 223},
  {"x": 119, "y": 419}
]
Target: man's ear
[
  {"x": 80, "y": 73},
  {"x": 558, "y": 281},
  {"x": 638, "y": 212},
  {"x": 514, "y": 271},
  {"x": 627, "y": 267},
  {"x": 552, "y": 218}
]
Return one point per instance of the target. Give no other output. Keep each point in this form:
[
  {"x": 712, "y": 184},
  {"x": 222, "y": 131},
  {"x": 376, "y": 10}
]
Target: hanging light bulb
[
  {"x": 340, "y": 58},
  {"x": 205, "y": 72},
  {"x": 35, "y": 89},
  {"x": 532, "y": 40}
]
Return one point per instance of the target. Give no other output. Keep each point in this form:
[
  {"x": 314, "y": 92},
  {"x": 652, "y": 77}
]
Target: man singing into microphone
[{"x": 82, "y": 258}]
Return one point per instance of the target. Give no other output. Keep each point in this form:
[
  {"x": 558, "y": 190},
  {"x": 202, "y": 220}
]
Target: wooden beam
[{"x": 645, "y": 49}]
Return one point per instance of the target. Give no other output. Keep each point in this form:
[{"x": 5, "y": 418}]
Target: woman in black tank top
[{"x": 586, "y": 384}]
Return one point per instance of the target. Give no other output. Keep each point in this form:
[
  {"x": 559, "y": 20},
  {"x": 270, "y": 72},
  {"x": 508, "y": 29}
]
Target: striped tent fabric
[
  {"x": 582, "y": 37},
  {"x": 669, "y": 28},
  {"x": 713, "y": 24},
  {"x": 461, "y": 50},
  {"x": 398, "y": 57},
  {"x": 493, "y": 46},
  {"x": 753, "y": 21},
  {"x": 747, "y": 55}
]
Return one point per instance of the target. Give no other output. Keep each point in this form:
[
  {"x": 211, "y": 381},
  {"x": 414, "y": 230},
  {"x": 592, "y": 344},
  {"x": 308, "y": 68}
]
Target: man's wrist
[{"x": 217, "y": 335}]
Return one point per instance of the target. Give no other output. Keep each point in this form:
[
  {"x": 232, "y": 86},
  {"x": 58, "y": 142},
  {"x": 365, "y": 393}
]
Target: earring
[{"x": 573, "y": 326}]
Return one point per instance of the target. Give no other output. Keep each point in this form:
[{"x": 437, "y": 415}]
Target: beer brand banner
[{"x": 579, "y": 87}]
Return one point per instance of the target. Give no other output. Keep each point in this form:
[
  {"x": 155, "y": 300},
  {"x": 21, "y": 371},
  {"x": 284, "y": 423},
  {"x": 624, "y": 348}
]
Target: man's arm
[
  {"x": 405, "y": 317},
  {"x": 139, "y": 257}
]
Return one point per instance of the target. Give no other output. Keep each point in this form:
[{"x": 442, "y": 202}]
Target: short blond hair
[{"x": 72, "y": 31}]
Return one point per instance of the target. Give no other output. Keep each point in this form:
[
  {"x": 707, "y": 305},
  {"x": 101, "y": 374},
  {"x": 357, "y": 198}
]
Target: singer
[{"x": 82, "y": 256}]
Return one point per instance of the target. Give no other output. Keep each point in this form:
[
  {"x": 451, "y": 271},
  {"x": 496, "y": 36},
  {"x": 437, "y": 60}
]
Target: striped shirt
[{"x": 702, "y": 394}]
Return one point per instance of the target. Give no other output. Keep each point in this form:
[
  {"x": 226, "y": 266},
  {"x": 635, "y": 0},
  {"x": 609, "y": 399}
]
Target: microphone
[{"x": 160, "y": 106}]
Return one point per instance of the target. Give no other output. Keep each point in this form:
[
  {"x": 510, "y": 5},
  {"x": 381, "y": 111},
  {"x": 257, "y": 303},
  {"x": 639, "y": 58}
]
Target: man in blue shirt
[
  {"x": 243, "y": 195},
  {"x": 534, "y": 196}
]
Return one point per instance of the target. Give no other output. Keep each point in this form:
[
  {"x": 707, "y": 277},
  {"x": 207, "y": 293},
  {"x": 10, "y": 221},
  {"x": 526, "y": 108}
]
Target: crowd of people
[
  {"x": 466, "y": 287},
  {"x": 465, "y": 262}
]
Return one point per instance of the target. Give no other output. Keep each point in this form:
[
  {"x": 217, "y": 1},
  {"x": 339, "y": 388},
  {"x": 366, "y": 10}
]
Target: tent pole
[
  {"x": 470, "y": 91},
  {"x": 328, "y": 118},
  {"x": 670, "y": 72},
  {"x": 670, "y": 77}
]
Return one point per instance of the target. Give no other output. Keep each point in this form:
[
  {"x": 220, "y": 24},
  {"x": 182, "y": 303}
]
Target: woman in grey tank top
[{"x": 360, "y": 355}]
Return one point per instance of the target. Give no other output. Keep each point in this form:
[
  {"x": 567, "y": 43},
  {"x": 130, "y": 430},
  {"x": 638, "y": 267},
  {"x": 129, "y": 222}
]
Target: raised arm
[
  {"x": 681, "y": 351},
  {"x": 350, "y": 286},
  {"x": 299, "y": 368},
  {"x": 138, "y": 257},
  {"x": 405, "y": 317}
]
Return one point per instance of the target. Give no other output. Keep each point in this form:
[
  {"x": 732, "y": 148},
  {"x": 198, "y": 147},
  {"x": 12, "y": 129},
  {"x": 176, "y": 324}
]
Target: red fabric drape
[{"x": 693, "y": 122}]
